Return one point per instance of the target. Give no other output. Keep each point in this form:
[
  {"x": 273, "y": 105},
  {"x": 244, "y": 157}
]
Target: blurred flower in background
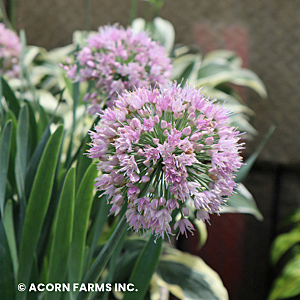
[
  {"x": 115, "y": 59},
  {"x": 10, "y": 52},
  {"x": 165, "y": 149}
]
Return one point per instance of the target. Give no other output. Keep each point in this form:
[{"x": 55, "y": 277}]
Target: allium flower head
[
  {"x": 116, "y": 59},
  {"x": 162, "y": 152},
  {"x": 10, "y": 52}
]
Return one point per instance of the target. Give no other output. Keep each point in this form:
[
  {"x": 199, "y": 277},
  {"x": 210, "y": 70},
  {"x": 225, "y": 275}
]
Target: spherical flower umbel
[
  {"x": 116, "y": 59},
  {"x": 162, "y": 152},
  {"x": 10, "y": 52}
]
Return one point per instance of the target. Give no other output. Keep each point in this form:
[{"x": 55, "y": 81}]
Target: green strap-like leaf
[
  {"x": 22, "y": 150},
  {"x": 4, "y": 159},
  {"x": 35, "y": 159},
  {"x": 32, "y": 127},
  {"x": 37, "y": 207},
  {"x": 7, "y": 286},
  {"x": 83, "y": 161},
  {"x": 10, "y": 97},
  {"x": 8, "y": 223},
  {"x": 112, "y": 269},
  {"x": 13, "y": 149},
  {"x": 43, "y": 121},
  {"x": 63, "y": 233},
  {"x": 83, "y": 203},
  {"x": 144, "y": 269},
  {"x": 97, "y": 226}
]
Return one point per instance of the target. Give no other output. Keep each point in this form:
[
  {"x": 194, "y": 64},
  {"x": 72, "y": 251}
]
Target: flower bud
[
  {"x": 185, "y": 211},
  {"x": 186, "y": 131},
  {"x": 209, "y": 140},
  {"x": 162, "y": 201},
  {"x": 163, "y": 124},
  {"x": 145, "y": 178}
]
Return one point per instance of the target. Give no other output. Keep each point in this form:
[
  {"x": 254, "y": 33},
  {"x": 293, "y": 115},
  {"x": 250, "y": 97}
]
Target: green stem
[
  {"x": 5, "y": 16},
  {"x": 133, "y": 11},
  {"x": 144, "y": 269},
  {"x": 87, "y": 14},
  {"x": 113, "y": 262},
  {"x": 75, "y": 104},
  {"x": 102, "y": 259}
]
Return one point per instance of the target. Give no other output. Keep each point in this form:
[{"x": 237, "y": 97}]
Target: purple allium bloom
[
  {"x": 10, "y": 52},
  {"x": 165, "y": 151},
  {"x": 116, "y": 59}
]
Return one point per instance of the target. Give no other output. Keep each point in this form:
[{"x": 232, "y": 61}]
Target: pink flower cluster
[
  {"x": 10, "y": 52},
  {"x": 116, "y": 59},
  {"x": 162, "y": 152}
]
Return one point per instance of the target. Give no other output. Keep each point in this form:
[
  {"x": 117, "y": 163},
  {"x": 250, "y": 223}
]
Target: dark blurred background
[{"x": 266, "y": 34}]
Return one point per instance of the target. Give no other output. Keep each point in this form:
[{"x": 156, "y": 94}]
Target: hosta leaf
[
  {"x": 238, "y": 120},
  {"x": 144, "y": 269},
  {"x": 182, "y": 66},
  {"x": 138, "y": 24},
  {"x": 242, "y": 202},
  {"x": 245, "y": 77},
  {"x": 37, "y": 207},
  {"x": 214, "y": 74},
  {"x": 212, "y": 71},
  {"x": 228, "y": 100},
  {"x": 164, "y": 32},
  {"x": 228, "y": 55},
  {"x": 4, "y": 161},
  {"x": 189, "y": 278},
  {"x": 193, "y": 76},
  {"x": 287, "y": 285},
  {"x": 49, "y": 102},
  {"x": 59, "y": 54},
  {"x": 62, "y": 233},
  {"x": 283, "y": 243},
  {"x": 31, "y": 53}
]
